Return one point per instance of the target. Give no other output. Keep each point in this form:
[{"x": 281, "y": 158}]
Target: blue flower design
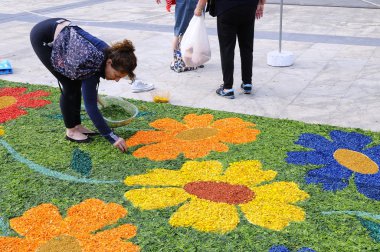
[
  {"x": 282, "y": 248},
  {"x": 340, "y": 158}
]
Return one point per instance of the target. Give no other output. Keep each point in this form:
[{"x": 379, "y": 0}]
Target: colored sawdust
[
  {"x": 45, "y": 229},
  {"x": 13, "y": 100},
  {"x": 195, "y": 138},
  {"x": 214, "y": 195},
  {"x": 319, "y": 194}
]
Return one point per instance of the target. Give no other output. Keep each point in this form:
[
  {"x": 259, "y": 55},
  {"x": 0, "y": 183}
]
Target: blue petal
[
  {"x": 280, "y": 248},
  {"x": 350, "y": 140},
  {"x": 368, "y": 184},
  {"x": 373, "y": 153},
  {"x": 332, "y": 177},
  {"x": 316, "y": 142},
  {"x": 308, "y": 157},
  {"x": 304, "y": 249}
]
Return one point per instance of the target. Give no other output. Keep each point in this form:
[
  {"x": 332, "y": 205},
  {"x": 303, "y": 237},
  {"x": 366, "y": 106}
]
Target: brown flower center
[
  {"x": 220, "y": 192},
  {"x": 7, "y": 101},
  {"x": 197, "y": 134},
  {"x": 356, "y": 161},
  {"x": 61, "y": 243}
]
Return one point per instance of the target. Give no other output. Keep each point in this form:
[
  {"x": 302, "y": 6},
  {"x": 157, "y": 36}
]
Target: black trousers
[
  {"x": 236, "y": 22},
  {"x": 71, "y": 96}
]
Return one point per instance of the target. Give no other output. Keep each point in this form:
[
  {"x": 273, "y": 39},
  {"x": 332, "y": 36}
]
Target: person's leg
[
  {"x": 184, "y": 11},
  {"x": 70, "y": 100},
  {"x": 227, "y": 41},
  {"x": 245, "y": 34}
]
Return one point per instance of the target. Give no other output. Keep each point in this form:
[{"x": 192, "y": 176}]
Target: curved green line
[
  {"x": 51, "y": 173},
  {"x": 4, "y": 227},
  {"x": 355, "y": 213}
]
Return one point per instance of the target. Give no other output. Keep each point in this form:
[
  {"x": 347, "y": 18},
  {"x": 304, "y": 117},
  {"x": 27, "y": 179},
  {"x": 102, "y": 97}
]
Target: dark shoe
[
  {"x": 247, "y": 88},
  {"x": 92, "y": 134},
  {"x": 87, "y": 140},
  {"x": 228, "y": 94}
]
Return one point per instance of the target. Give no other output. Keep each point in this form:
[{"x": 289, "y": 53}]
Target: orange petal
[
  {"x": 231, "y": 123},
  {"x": 195, "y": 121},
  {"x": 125, "y": 231},
  {"x": 168, "y": 124},
  {"x": 147, "y": 137},
  {"x": 239, "y": 136},
  {"x": 41, "y": 223},
  {"x": 158, "y": 152},
  {"x": 13, "y": 244},
  {"x": 91, "y": 215},
  {"x": 194, "y": 150}
]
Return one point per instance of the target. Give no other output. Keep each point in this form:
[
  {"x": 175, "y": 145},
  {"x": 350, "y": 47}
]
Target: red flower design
[{"x": 12, "y": 100}]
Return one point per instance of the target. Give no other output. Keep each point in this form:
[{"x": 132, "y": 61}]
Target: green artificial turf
[{"x": 39, "y": 166}]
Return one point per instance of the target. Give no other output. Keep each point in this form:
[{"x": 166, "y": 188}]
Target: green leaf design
[
  {"x": 81, "y": 162},
  {"x": 372, "y": 227}
]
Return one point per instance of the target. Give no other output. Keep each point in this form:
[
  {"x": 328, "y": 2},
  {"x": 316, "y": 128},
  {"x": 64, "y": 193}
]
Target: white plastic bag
[{"x": 195, "y": 47}]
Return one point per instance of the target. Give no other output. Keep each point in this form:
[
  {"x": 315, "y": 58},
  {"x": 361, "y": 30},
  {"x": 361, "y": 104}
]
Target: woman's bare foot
[
  {"x": 75, "y": 134},
  {"x": 83, "y": 129}
]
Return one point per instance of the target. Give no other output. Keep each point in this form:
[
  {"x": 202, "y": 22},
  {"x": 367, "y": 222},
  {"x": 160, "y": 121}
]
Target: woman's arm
[
  {"x": 90, "y": 98},
  {"x": 200, "y": 7}
]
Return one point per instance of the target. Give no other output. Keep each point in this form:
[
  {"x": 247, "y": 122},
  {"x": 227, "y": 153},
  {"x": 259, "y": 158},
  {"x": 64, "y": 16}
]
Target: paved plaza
[{"x": 335, "y": 78}]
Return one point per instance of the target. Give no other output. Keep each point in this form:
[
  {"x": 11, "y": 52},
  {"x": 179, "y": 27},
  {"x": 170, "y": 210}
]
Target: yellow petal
[
  {"x": 278, "y": 192},
  {"x": 206, "y": 216},
  {"x": 275, "y": 215},
  {"x": 156, "y": 198},
  {"x": 157, "y": 177},
  {"x": 248, "y": 173},
  {"x": 201, "y": 171}
]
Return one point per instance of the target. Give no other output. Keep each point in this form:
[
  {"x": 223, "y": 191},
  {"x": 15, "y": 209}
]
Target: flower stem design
[{"x": 50, "y": 173}]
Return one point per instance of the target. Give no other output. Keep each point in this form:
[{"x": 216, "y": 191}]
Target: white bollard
[{"x": 280, "y": 58}]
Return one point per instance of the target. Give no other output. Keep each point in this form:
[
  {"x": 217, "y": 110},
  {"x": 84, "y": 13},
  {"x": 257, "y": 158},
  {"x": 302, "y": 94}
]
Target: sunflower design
[
  {"x": 44, "y": 229},
  {"x": 13, "y": 99},
  {"x": 346, "y": 155},
  {"x": 195, "y": 138},
  {"x": 210, "y": 198}
]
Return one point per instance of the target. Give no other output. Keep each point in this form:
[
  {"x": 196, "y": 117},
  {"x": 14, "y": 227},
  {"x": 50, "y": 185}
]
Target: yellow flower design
[
  {"x": 211, "y": 197},
  {"x": 195, "y": 138},
  {"x": 2, "y": 132},
  {"x": 44, "y": 229}
]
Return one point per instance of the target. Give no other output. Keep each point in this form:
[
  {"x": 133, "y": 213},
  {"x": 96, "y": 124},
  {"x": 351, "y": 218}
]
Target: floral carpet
[{"x": 192, "y": 180}]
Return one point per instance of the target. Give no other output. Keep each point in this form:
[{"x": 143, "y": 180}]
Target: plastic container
[
  {"x": 160, "y": 96},
  {"x": 110, "y": 102}
]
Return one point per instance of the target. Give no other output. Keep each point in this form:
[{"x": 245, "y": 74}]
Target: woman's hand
[
  {"x": 158, "y": 1},
  {"x": 260, "y": 10},
  {"x": 120, "y": 144},
  {"x": 200, "y": 7}
]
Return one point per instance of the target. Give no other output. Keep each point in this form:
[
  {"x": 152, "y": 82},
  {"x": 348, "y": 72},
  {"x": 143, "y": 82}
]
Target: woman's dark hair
[{"x": 123, "y": 57}]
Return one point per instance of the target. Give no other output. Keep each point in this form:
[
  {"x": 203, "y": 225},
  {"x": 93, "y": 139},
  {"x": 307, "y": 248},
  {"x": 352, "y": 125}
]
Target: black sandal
[{"x": 87, "y": 140}]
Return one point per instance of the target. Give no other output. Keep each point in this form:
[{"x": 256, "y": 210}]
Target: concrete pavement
[{"x": 335, "y": 79}]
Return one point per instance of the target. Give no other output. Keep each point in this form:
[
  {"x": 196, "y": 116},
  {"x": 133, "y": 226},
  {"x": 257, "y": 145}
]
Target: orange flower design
[
  {"x": 45, "y": 230},
  {"x": 195, "y": 138},
  {"x": 13, "y": 99}
]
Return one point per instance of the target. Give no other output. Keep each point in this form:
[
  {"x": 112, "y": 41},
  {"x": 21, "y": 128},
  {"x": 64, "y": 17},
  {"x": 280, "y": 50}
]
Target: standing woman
[
  {"x": 184, "y": 11},
  {"x": 78, "y": 60},
  {"x": 235, "y": 18}
]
